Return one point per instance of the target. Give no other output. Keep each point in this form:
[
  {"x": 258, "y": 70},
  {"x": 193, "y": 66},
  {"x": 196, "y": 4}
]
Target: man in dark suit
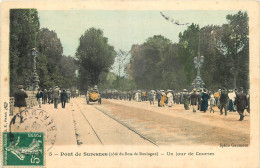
[
  {"x": 39, "y": 97},
  {"x": 241, "y": 103},
  {"x": 223, "y": 101},
  {"x": 194, "y": 99},
  {"x": 63, "y": 98},
  {"x": 19, "y": 103}
]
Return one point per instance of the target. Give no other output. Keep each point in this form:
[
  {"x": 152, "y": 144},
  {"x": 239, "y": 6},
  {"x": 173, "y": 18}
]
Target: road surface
[{"x": 120, "y": 122}]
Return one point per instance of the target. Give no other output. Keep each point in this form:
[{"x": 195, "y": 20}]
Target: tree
[
  {"x": 189, "y": 48},
  {"x": 232, "y": 43},
  {"x": 68, "y": 69},
  {"x": 24, "y": 29},
  {"x": 156, "y": 64},
  {"x": 212, "y": 68},
  {"x": 94, "y": 55},
  {"x": 50, "y": 55},
  {"x": 173, "y": 76}
]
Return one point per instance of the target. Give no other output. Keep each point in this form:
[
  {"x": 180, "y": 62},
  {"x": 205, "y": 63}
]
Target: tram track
[
  {"x": 127, "y": 126},
  {"x": 112, "y": 131},
  {"x": 99, "y": 139}
]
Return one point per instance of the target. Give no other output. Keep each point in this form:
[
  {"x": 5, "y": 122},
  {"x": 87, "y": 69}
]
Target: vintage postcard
[{"x": 129, "y": 84}]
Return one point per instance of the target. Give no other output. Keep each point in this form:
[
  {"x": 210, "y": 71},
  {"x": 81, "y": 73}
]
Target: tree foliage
[
  {"x": 158, "y": 63},
  {"x": 94, "y": 56},
  {"x": 233, "y": 43},
  {"x": 155, "y": 64},
  {"x": 52, "y": 67},
  {"x": 24, "y": 29}
]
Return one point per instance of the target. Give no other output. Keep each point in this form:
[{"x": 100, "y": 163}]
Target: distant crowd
[
  {"x": 200, "y": 99},
  {"x": 55, "y": 95}
]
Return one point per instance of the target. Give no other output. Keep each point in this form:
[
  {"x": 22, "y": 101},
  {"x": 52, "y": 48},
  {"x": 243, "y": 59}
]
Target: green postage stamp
[{"x": 23, "y": 149}]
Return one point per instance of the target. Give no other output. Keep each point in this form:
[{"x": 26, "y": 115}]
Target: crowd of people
[
  {"x": 199, "y": 99},
  {"x": 56, "y": 95},
  {"x": 53, "y": 95}
]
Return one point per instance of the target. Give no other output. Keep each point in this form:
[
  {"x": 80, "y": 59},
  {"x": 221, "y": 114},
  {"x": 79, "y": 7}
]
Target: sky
[{"x": 123, "y": 28}]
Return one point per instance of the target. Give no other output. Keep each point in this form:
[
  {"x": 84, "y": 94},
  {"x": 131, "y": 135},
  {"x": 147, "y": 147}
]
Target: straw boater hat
[
  {"x": 20, "y": 86},
  {"x": 194, "y": 90},
  {"x": 169, "y": 90},
  {"x": 185, "y": 90}
]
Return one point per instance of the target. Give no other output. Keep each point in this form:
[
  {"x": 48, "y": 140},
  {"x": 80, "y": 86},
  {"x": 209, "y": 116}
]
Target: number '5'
[{"x": 35, "y": 160}]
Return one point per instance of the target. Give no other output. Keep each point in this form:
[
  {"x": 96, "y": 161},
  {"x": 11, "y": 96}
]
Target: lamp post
[
  {"x": 198, "y": 82},
  {"x": 34, "y": 79}
]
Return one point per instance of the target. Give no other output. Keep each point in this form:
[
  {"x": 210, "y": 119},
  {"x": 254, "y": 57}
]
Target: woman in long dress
[
  {"x": 204, "y": 103},
  {"x": 163, "y": 99}
]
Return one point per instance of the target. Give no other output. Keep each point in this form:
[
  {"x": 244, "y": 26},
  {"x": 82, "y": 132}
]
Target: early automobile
[{"x": 93, "y": 95}]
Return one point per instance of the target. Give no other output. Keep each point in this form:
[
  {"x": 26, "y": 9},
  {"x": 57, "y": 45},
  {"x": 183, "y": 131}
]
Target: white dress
[{"x": 170, "y": 99}]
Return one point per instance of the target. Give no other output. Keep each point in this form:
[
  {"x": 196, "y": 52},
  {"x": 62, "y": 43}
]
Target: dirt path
[{"x": 177, "y": 126}]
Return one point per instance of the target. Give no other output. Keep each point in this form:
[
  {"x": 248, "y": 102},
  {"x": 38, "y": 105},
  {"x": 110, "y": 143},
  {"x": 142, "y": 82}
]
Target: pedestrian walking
[
  {"x": 19, "y": 104},
  {"x": 223, "y": 101},
  {"x": 151, "y": 97},
  {"x": 185, "y": 98},
  {"x": 199, "y": 99},
  {"x": 204, "y": 101},
  {"x": 169, "y": 98},
  {"x": 231, "y": 96},
  {"x": 56, "y": 96},
  {"x": 45, "y": 96},
  {"x": 194, "y": 99},
  {"x": 212, "y": 102},
  {"x": 39, "y": 97},
  {"x": 63, "y": 98},
  {"x": 241, "y": 103},
  {"x": 50, "y": 96},
  {"x": 217, "y": 96},
  {"x": 159, "y": 96},
  {"x": 163, "y": 98},
  {"x": 129, "y": 95}
]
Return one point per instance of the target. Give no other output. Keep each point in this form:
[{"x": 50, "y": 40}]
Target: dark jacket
[
  {"x": 159, "y": 95},
  {"x": 63, "y": 96},
  {"x": 223, "y": 97},
  {"x": 19, "y": 99},
  {"x": 241, "y": 101},
  {"x": 39, "y": 95}
]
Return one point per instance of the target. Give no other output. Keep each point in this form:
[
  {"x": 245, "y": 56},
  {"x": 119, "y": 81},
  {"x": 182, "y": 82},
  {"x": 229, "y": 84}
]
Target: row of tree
[
  {"x": 93, "y": 58},
  {"x": 158, "y": 63},
  {"x": 53, "y": 68}
]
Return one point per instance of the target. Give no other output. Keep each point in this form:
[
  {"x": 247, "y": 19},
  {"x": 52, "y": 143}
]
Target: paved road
[
  {"x": 175, "y": 125},
  {"x": 94, "y": 127},
  {"x": 119, "y": 122}
]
